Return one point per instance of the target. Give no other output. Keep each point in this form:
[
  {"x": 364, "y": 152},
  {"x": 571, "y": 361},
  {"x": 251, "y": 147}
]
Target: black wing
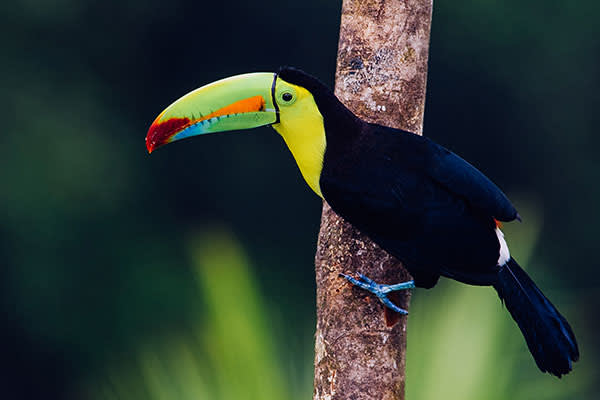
[
  {"x": 458, "y": 176},
  {"x": 463, "y": 179}
]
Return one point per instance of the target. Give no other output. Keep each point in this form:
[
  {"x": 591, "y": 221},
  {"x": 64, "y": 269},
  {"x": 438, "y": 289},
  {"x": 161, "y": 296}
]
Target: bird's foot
[{"x": 380, "y": 290}]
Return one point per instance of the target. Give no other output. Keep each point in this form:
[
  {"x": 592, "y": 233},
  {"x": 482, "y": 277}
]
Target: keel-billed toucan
[{"x": 420, "y": 202}]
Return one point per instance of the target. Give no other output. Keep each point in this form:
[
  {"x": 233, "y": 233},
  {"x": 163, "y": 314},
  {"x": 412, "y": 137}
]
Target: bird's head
[{"x": 289, "y": 100}]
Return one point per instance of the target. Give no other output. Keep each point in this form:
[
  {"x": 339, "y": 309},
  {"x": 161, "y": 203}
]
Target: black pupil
[{"x": 286, "y": 96}]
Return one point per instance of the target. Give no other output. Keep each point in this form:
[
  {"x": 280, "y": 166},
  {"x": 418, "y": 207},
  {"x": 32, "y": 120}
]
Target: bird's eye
[{"x": 286, "y": 96}]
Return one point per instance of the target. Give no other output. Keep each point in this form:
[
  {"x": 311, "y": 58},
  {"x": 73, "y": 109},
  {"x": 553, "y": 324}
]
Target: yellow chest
[{"x": 303, "y": 130}]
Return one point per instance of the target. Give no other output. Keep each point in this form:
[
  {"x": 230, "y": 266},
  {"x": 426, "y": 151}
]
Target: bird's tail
[{"x": 547, "y": 333}]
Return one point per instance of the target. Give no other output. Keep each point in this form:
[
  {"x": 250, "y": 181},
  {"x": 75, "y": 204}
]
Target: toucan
[{"x": 420, "y": 202}]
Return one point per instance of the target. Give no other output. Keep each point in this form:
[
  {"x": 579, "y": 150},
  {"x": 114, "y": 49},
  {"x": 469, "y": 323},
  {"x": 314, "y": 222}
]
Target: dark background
[{"x": 111, "y": 259}]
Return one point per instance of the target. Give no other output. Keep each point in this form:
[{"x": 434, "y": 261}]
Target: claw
[
  {"x": 367, "y": 280},
  {"x": 380, "y": 290}
]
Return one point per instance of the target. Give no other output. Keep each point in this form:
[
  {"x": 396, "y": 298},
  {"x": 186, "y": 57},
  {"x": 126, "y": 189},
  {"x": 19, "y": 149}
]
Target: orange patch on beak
[{"x": 256, "y": 103}]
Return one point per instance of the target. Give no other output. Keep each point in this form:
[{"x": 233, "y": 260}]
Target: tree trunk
[{"x": 381, "y": 76}]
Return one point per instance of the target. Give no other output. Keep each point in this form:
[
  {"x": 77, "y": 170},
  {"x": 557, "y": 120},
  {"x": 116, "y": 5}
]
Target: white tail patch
[{"x": 504, "y": 253}]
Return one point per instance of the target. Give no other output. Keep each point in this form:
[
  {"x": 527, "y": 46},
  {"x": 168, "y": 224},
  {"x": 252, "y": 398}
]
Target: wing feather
[{"x": 448, "y": 170}]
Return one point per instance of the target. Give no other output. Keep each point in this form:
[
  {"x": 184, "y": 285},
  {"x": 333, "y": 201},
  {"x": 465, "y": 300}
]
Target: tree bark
[{"x": 381, "y": 76}]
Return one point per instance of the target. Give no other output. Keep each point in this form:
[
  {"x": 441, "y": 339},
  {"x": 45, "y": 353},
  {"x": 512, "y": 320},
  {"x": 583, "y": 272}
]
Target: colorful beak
[{"x": 240, "y": 102}]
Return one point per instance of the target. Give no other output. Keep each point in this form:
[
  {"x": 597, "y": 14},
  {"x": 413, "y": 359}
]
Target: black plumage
[{"x": 435, "y": 212}]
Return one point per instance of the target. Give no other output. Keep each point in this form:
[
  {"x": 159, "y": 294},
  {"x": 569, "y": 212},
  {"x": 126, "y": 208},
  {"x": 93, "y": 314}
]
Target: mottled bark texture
[{"x": 381, "y": 76}]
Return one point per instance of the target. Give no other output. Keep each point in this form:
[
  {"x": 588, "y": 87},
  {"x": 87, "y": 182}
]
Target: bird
[{"x": 423, "y": 204}]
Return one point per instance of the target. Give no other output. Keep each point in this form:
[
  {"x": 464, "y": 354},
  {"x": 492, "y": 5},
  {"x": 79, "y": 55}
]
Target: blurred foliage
[
  {"x": 231, "y": 354},
  {"x": 95, "y": 234}
]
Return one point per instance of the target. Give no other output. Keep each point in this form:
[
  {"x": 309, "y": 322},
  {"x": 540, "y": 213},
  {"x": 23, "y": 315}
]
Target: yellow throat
[{"x": 301, "y": 126}]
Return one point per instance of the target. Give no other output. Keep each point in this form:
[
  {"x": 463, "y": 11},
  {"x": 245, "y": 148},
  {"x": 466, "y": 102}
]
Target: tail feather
[{"x": 548, "y": 335}]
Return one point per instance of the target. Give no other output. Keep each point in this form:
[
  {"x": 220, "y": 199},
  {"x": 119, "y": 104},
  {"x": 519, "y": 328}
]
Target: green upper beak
[{"x": 240, "y": 102}]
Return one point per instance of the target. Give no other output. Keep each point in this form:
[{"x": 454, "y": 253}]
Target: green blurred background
[{"x": 189, "y": 274}]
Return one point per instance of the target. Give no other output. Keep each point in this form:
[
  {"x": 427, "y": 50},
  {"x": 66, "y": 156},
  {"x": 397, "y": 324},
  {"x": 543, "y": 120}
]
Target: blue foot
[{"x": 380, "y": 290}]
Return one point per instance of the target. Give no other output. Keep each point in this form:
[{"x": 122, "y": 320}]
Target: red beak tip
[{"x": 149, "y": 145}]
